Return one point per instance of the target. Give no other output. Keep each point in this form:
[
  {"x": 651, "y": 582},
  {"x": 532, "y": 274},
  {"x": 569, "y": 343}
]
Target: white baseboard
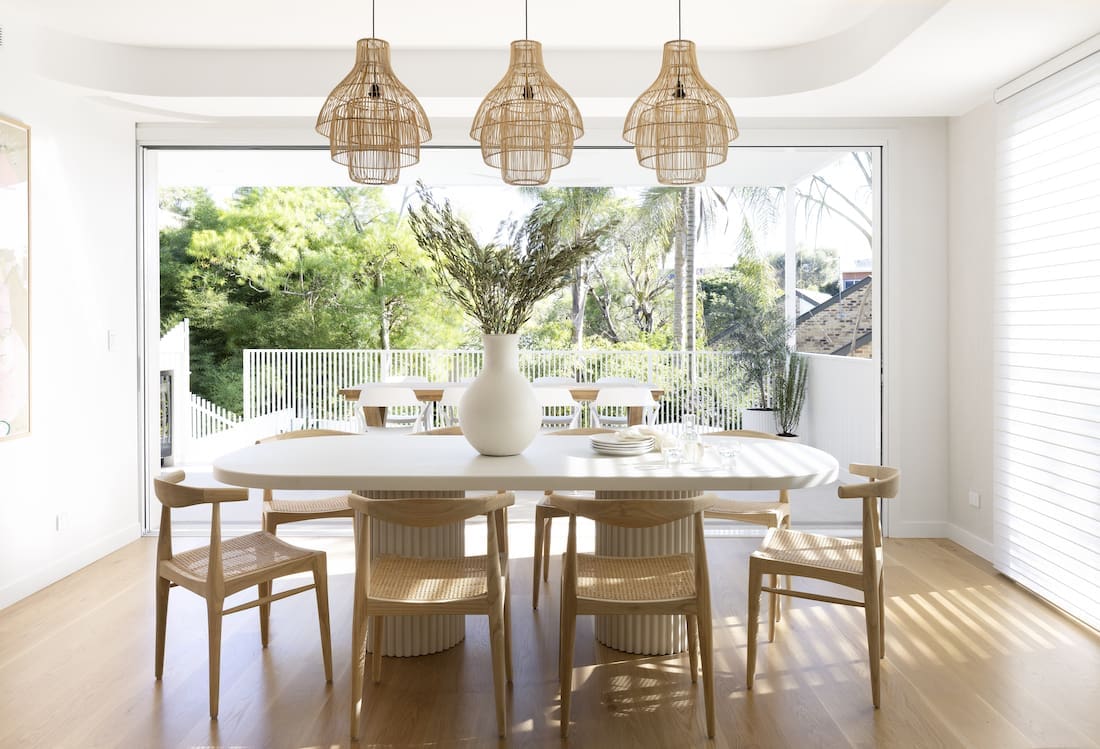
[
  {"x": 23, "y": 587},
  {"x": 970, "y": 541}
]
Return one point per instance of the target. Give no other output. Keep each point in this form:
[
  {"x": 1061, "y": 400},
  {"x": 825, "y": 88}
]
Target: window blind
[{"x": 1047, "y": 347}]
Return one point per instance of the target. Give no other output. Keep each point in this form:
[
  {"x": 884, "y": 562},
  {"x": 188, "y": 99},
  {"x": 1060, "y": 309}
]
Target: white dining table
[{"x": 385, "y": 465}]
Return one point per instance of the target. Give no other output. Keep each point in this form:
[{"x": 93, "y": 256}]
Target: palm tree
[
  {"x": 694, "y": 212},
  {"x": 568, "y": 214}
]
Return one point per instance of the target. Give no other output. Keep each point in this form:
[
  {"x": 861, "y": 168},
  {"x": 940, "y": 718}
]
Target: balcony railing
[{"x": 708, "y": 383}]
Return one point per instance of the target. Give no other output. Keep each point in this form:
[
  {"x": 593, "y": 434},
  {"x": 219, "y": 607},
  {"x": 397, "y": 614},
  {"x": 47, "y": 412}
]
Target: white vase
[{"x": 499, "y": 413}]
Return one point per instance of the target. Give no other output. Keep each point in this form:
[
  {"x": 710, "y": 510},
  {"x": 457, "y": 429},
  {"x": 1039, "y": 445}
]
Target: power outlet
[{"x": 975, "y": 499}]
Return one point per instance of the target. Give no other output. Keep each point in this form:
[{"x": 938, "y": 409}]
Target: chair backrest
[
  {"x": 579, "y": 431},
  {"x": 555, "y": 396},
  {"x": 452, "y": 395},
  {"x": 388, "y": 397},
  {"x": 745, "y": 433},
  {"x": 631, "y": 513},
  {"x": 438, "y": 432},
  {"x": 883, "y": 485},
  {"x": 302, "y": 433},
  {"x": 419, "y": 512},
  {"x": 172, "y": 493},
  {"x": 625, "y": 395}
]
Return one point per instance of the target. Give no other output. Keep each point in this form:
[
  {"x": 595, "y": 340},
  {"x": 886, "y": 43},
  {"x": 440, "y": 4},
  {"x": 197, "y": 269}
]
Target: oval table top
[{"x": 423, "y": 462}]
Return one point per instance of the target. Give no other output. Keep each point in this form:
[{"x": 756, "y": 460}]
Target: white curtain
[{"x": 1047, "y": 465}]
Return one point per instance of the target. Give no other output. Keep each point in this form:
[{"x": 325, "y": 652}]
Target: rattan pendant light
[
  {"x": 680, "y": 125},
  {"x": 527, "y": 123},
  {"x": 374, "y": 124}
]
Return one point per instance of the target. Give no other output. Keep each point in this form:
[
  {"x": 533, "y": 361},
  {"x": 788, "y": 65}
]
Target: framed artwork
[{"x": 15, "y": 308}]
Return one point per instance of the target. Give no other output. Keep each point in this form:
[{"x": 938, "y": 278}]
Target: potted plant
[
  {"x": 497, "y": 284},
  {"x": 790, "y": 395},
  {"x": 761, "y": 342}
]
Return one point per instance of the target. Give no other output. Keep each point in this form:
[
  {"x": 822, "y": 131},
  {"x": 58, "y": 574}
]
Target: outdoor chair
[
  {"x": 852, "y": 563},
  {"x": 559, "y": 408},
  {"x": 413, "y": 413},
  {"x": 220, "y": 570},
  {"x": 614, "y": 585},
  {"x": 621, "y": 398}
]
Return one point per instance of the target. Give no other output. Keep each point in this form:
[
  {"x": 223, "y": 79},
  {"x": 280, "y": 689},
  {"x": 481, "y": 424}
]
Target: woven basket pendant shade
[
  {"x": 374, "y": 124},
  {"x": 680, "y": 125},
  {"x": 527, "y": 123}
]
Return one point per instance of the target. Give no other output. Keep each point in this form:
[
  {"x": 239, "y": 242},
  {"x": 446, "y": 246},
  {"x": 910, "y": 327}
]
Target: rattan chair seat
[
  {"x": 812, "y": 550},
  {"x": 336, "y": 503},
  {"x": 240, "y": 556},
  {"x": 662, "y": 578},
  {"x": 403, "y": 579}
]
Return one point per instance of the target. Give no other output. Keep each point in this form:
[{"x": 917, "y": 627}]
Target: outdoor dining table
[
  {"x": 432, "y": 392},
  {"x": 379, "y": 465}
]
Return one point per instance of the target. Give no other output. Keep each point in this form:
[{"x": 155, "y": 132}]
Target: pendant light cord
[
  {"x": 679, "y": 20},
  {"x": 372, "y": 17},
  {"x": 524, "y": 20}
]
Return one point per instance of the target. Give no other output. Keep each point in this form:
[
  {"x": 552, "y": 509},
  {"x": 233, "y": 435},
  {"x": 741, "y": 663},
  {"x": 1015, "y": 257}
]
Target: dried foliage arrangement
[{"x": 498, "y": 283}]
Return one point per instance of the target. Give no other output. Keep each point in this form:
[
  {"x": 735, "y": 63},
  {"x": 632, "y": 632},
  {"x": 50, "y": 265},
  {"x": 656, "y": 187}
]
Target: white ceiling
[
  {"x": 292, "y": 24},
  {"x": 809, "y": 58}
]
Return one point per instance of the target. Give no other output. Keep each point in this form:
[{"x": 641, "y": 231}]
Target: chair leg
[
  {"x": 882, "y": 614},
  {"x": 358, "y": 665},
  {"x": 264, "y": 589},
  {"x": 871, "y": 612},
  {"x": 377, "y": 628},
  {"x": 706, "y": 645},
  {"x": 773, "y": 608},
  {"x": 546, "y": 550},
  {"x": 496, "y": 645},
  {"x": 693, "y": 646},
  {"x": 214, "y": 635},
  {"x": 508, "y": 634},
  {"x": 755, "y": 583},
  {"x": 565, "y": 665},
  {"x": 320, "y": 581},
  {"x": 163, "y": 586},
  {"x": 540, "y": 529}
]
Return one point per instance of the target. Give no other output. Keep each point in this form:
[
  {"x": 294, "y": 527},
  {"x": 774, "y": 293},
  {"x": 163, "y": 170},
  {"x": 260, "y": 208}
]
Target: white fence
[
  {"x": 209, "y": 418},
  {"x": 308, "y": 381}
]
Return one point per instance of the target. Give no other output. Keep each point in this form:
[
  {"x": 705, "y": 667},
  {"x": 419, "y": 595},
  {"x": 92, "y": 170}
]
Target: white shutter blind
[{"x": 1047, "y": 328}]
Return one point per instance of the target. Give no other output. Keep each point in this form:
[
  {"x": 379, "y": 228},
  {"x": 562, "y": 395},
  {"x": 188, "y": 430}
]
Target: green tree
[{"x": 816, "y": 268}]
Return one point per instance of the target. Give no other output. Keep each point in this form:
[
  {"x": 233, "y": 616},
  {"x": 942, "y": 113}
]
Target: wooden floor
[{"x": 971, "y": 661}]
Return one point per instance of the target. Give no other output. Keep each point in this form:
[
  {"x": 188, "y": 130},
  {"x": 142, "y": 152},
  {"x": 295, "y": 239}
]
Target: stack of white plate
[{"x": 612, "y": 444}]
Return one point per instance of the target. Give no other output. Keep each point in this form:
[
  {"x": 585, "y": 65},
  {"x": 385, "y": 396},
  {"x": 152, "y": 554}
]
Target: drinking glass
[
  {"x": 727, "y": 450},
  {"x": 673, "y": 454}
]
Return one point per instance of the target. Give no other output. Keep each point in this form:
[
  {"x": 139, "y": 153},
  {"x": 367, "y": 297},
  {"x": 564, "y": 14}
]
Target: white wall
[
  {"x": 81, "y": 459},
  {"x": 970, "y": 273}
]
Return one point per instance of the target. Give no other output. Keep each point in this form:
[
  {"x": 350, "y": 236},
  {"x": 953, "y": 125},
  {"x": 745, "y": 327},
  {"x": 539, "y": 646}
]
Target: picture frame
[{"x": 15, "y": 287}]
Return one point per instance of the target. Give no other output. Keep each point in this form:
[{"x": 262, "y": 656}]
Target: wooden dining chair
[
  {"x": 219, "y": 570},
  {"x": 775, "y": 514},
  {"x": 287, "y": 509},
  {"x": 849, "y": 562},
  {"x": 670, "y": 584},
  {"x": 468, "y": 585},
  {"x": 544, "y": 517}
]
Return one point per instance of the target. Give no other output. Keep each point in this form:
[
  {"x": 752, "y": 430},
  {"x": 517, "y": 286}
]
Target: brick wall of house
[{"x": 831, "y": 327}]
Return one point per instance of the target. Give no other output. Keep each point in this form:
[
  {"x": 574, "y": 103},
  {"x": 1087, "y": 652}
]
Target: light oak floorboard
[{"x": 971, "y": 661}]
